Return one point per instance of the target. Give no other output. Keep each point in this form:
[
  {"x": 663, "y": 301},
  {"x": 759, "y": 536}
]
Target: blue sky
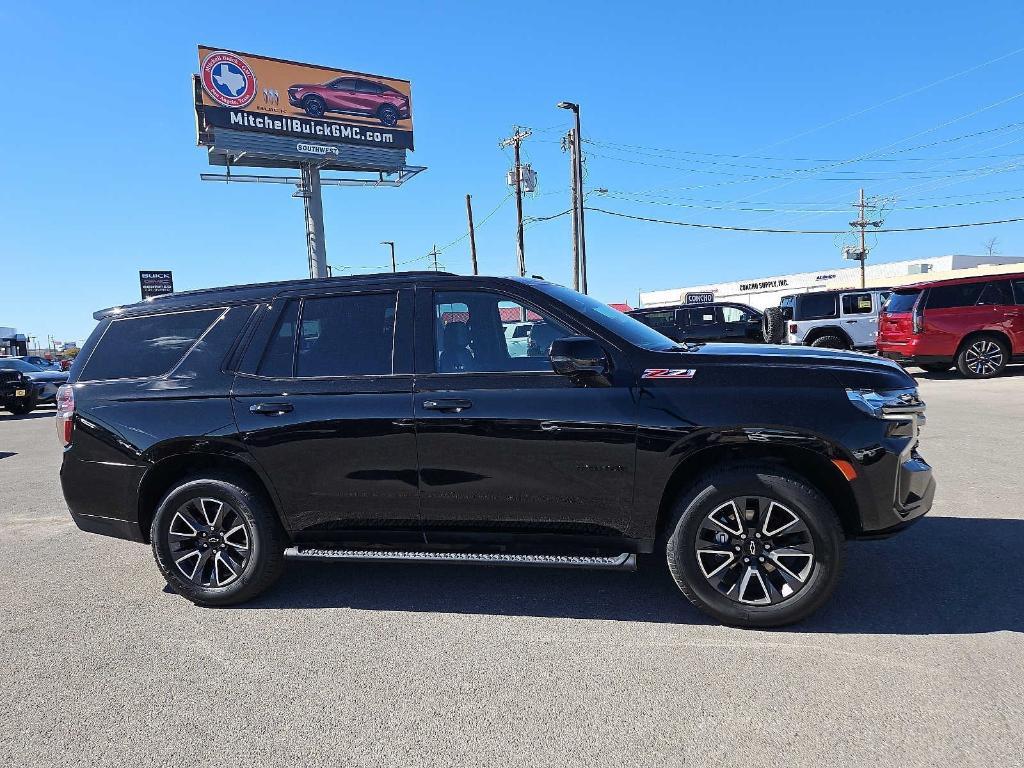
[{"x": 101, "y": 171}]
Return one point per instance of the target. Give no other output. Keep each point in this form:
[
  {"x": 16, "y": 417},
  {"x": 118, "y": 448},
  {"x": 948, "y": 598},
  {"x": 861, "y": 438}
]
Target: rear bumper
[
  {"x": 909, "y": 358},
  {"x": 109, "y": 526},
  {"x": 102, "y": 496}
]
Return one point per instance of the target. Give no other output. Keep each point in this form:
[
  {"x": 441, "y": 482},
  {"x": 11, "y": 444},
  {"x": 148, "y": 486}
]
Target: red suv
[
  {"x": 352, "y": 95},
  {"x": 975, "y": 323}
]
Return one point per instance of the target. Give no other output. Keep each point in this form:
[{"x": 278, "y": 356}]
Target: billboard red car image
[{"x": 351, "y": 95}]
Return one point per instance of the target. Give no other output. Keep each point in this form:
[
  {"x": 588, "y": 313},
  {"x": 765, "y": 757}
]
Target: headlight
[{"x": 895, "y": 404}]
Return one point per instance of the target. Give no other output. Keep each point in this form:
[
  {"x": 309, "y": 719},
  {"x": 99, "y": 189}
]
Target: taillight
[
  {"x": 917, "y": 318},
  {"x": 792, "y": 327},
  {"x": 65, "y": 413}
]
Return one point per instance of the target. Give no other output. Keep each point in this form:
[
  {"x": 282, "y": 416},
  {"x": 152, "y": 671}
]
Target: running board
[{"x": 623, "y": 562}]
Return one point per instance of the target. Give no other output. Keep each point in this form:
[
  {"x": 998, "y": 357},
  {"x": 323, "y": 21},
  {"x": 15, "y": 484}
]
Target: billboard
[
  {"x": 321, "y": 106},
  {"x": 155, "y": 282}
]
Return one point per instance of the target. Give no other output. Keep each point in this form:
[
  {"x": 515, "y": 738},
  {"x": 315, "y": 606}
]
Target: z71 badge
[{"x": 669, "y": 373}]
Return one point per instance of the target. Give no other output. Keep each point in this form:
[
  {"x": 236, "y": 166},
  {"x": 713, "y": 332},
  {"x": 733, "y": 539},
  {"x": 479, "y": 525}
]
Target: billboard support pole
[{"x": 313, "y": 203}]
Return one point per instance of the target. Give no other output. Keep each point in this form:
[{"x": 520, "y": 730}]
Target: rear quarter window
[
  {"x": 813, "y": 306},
  {"x": 143, "y": 347},
  {"x": 902, "y": 301}
]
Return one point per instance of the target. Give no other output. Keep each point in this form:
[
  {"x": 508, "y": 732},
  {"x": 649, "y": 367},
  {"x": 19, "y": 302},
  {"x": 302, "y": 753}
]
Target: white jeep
[{"x": 846, "y": 319}]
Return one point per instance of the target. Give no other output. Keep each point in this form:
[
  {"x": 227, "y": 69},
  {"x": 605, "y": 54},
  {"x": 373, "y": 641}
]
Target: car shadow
[
  {"x": 4, "y": 416},
  {"x": 942, "y": 576},
  {"x": 1012, "y": 371},
  {"x": 7, "y": 454}
]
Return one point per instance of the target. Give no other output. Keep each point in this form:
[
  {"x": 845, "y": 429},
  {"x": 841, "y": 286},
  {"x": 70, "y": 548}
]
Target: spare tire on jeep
[{"x": 773, "y": 326}]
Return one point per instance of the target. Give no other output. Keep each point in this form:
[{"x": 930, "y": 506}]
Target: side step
[{"x": 623, "y": 562}]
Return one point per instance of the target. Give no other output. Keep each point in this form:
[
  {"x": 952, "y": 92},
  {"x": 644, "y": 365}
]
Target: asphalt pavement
[{"x": 917, "y": 661}]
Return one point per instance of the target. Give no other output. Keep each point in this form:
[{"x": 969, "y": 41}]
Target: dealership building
[{"x": 763, "y": 292}]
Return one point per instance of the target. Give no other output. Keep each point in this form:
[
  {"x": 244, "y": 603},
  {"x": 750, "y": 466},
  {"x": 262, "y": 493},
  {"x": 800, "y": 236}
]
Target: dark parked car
[
  {"x": 40, "y": 362},
  {"x": 44, "y": 382},
  {"x": 17, "y": 394},
  {"x": 351, "y": 95},
  {"x": 382, "y": 417},
  {"x": 720, "y": 321}
]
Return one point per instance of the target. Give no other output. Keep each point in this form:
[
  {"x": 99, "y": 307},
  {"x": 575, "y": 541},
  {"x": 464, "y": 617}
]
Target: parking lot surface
[{"x": 918, "y": 660}]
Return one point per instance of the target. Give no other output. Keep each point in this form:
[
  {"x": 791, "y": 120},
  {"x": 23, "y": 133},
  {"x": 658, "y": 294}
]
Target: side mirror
[{"x": 578, "y": 355}]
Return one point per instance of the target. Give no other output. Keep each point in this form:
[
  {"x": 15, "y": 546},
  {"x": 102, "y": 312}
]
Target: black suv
[
  {"x": 390, "y": 417},
  {"x": 719, "y": 321}
]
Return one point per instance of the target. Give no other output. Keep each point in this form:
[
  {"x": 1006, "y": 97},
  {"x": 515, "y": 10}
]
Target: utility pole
[
  {"x": 515, "y": 140},
  {"x": 862, "y": 223},
  {"x": 435, "y": 253},
  {"x": 577, "y": 139},
  {"x": 569, "y": 142},
  {"x": 394, "y": 267},
  {"x": 472, "y": 233}
]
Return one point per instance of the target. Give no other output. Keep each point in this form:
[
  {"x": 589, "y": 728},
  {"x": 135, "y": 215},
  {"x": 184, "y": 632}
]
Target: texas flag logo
[
  {"x": 669, "y": 373},
  {"x": 228, "y": 79}
]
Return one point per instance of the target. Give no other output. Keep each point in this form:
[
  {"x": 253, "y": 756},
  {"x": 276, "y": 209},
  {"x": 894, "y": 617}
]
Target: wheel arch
[
  {"x": 172, "y": 468},
  {"x": 827, "y": 330},
  {"x": 997, "y": 332},
  {"x": 814, "y": 467}
]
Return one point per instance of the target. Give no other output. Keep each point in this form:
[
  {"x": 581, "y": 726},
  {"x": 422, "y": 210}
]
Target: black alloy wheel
[
  {"x": 388, "y": 115},
  {"x": 217, "y": 540},
  {"x": 755, "y": 551},
  {"x": 209, "y": 542},
  {"x": 754, "y": 545}
]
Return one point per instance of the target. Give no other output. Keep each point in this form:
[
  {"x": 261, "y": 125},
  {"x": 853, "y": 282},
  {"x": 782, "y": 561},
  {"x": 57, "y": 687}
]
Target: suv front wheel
[
  {"x": 754, "y": 546},
  {"x": 216, "y": 541}
]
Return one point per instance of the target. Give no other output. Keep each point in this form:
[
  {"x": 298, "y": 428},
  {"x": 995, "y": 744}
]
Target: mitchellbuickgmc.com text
[{"x": 296, "y": 125}]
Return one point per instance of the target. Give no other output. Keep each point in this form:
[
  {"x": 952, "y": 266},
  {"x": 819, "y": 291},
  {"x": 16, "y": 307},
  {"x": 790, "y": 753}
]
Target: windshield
[
  {"x": 901, "y": 302},
  {"x": 628, "y": 328},
  {"x": 13, "y": 364}
]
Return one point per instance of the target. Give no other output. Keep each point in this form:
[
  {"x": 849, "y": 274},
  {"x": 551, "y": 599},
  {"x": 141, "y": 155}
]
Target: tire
[
  {"x": 935, "y": 367},
  {"x": 777, "y": 497},
  {"x": 22, "y": 405},
  {"x": 830, "y": 342},
  {"x": 223, "y": 572},
  {"x": 773, "y": 326},
  {"x": 982, "y": 357},
  {"x": 388, "y": 115},
  {"x": 314, "y": 106}
]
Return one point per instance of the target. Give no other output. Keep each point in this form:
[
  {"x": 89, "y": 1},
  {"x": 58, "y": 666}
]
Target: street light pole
[
  {"x": 577, "y": 139},
  {"x": 394, "y": 267}
]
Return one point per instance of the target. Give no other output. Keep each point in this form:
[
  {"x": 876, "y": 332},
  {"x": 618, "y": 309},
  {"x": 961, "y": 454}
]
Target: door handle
[
  {"x": 271, "y": 409},
  {"x": 851, "y": 321},
  {"x": 455, "y": 405}
]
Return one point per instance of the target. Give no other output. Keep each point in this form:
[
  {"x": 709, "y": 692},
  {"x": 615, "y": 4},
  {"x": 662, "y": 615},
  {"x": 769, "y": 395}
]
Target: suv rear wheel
[
  {"x": 831, "y": 341},
  {"x": 983, "y": 357},
  {"x": 216, "y": 541},
  {"x": 755, "y": 546}
]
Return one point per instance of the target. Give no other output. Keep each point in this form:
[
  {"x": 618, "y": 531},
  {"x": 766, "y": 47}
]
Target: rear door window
[
  {"x": 350, "y": 335},
  {"x": 951, "y": 296},
  {"x": 143, "y": 347},
  {"x": 997, "y": 293},
  {"x": 857, "y": 304}
]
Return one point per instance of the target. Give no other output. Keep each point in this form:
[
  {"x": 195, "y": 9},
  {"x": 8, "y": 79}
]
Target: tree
[{"x": 992, "y": 246}]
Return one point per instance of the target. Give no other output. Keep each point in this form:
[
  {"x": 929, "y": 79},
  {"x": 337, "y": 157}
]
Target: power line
[{"x": 797, "y": 231}]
